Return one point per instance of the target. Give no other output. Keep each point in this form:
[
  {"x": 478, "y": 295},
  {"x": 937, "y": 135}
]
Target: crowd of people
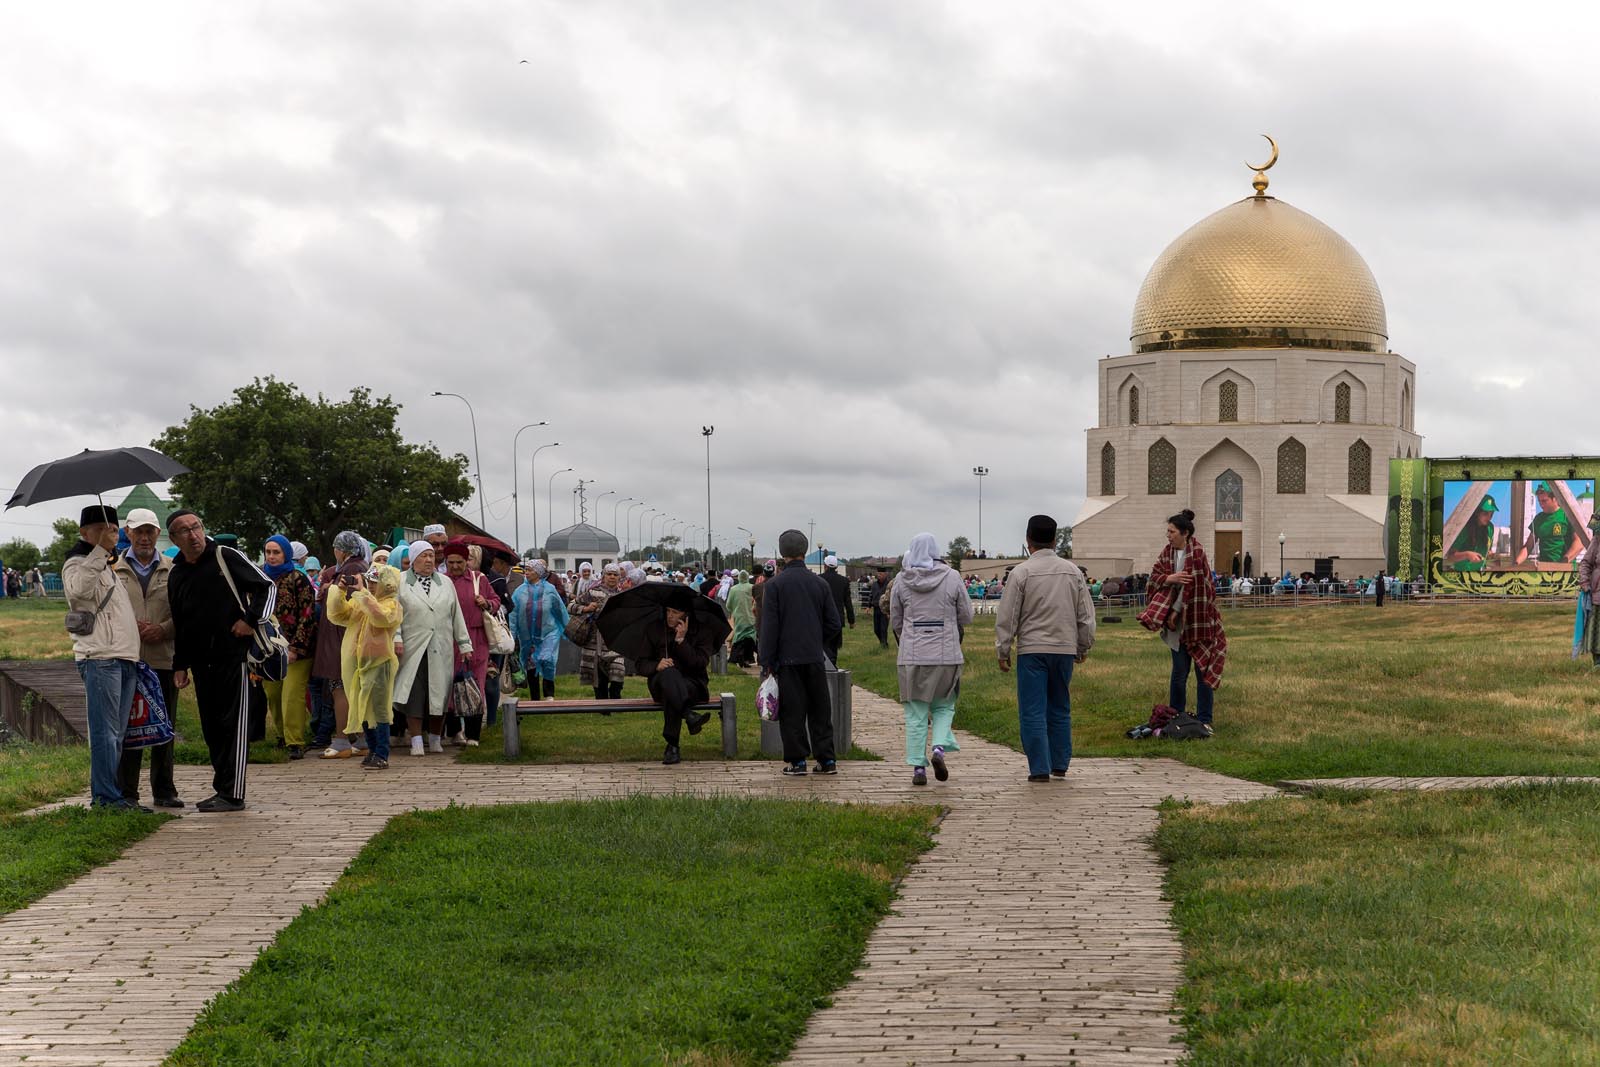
[{"x": 17, "y": 583}]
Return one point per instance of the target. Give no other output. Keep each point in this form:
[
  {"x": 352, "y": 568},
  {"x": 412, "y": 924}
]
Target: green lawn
[
  {"x": 41, "y": 853},
  {"x": 634, "y": 931},
  {"x": 1412, "y": 689},
  {"x": 1403, "y": 928}
]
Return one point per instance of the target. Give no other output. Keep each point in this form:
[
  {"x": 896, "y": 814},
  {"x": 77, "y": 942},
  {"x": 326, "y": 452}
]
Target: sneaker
[
  {"x": 369, "y": 760},
  {"x": 168, "y": 802},
  {"x": 436, "y": 746},
  {"x": 219, "y": 803},
  {"x": 470, "y": 743},
  {"x": 940, "y": 771},
  {"x": 1038, "y": 777},
  {"x": 1062, "y": 773},
  {"x": 458, "y": 740},
  {"x": 416, "y": 746},
  {"x": 376, "y": 763},
  {"x": 829, "y": 767},
  {"x": 797, "y": 769},
  {"x": 919, "y": 776}
]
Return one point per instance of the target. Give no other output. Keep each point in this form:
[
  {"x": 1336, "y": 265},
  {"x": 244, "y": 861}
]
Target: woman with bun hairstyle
[{"x": 1183, "y": 610}]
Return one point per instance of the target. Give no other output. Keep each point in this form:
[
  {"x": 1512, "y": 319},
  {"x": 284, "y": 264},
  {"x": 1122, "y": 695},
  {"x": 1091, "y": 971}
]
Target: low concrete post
[
  {"x": 511, "y": 731},
  {"x": 730, "y": 727},
  {"x": 719, "y": 662},
  {"x": 839, "y": 692}
]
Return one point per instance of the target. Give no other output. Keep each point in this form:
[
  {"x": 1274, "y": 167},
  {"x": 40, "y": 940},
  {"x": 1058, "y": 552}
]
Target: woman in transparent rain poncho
[
  {"x": 539, "y": 618},
  {"x": 370, "y": 612}
]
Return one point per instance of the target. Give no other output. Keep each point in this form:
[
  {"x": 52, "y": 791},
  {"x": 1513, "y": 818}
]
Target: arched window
[
  {"x": 1360, "y": 468},
  {"x": 1163, "y": 460},
  {"x": 1230, "y": 497},
  {"x": 1133, "y": 406},
  {"x": 1291, "y": 467},
  {"x": 1228, "y": 402},
  {"x": 1405, "y": 406},
  {"x": 1341, "y": 402},
  {"x": 1108, "y": 470}
]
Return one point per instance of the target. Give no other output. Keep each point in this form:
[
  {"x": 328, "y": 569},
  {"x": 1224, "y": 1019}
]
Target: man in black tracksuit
[
  {"x": 798, "y": 622},
  {"x": 843, "y": 602},
  {"x": 212, "y": 638},
  {"x": 880, "y": 610}
]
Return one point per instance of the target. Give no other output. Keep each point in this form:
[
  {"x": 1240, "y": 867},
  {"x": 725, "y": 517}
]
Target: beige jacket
[
  {"x": 1045, "y": 608},
  {"x": 86, "y": 579},
  {"x": 151, "y": 606}
]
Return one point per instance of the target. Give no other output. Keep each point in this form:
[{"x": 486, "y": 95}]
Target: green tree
[
  {"x": 66, "y": 536},
  {"x": 1064, "y": 542},
  {"x": 960, "y": 549},
  {"x": 272, "y": 460},
  {"x": 23, "y": 554}
]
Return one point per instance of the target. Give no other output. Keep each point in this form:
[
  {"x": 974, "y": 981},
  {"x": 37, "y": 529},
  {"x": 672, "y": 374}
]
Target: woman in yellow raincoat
[{"x": 370, "y": 612}]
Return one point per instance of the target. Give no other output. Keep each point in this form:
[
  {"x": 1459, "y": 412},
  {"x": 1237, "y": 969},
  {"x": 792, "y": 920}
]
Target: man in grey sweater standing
[{"x": 1046, "y": 610}]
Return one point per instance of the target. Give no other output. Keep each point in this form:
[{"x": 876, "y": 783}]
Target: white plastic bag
[{"x": 767, "y": 699}]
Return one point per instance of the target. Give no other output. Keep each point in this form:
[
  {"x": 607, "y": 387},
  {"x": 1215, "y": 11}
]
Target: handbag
[
  {"x": 466, "y": 699},
  {"x": 269, "y": 649},
  {"x": 494, "y": 625},
  {"x": 81, "y": 623},
  {"x": 149, "y": 723},
  {"x": 580, "y": 629}
]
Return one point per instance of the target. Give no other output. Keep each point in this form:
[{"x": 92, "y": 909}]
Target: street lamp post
[
  {"x": 663, "y": 518},
  {"x": 643, "y": 515},
  {"x": 483, "y": 519},
  {"x": 533, "y": 492},
  {"x": 614, "y": 508},
  {"x": 602, "y": 496},
  {"x": 981, "y": 472},
  {"x": 627, "y": 524},
  {"x": 706, "y": 432},
  {"x": 549, "y": 493},
  {"x": 752, "y": 535},
  {"x": 1281, "y": 540},
  {"x": 516, "y": 512}
]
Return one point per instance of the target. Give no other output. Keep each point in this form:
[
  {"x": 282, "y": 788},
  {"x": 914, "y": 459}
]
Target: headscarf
[
  {"x": 299, "y": 551},
  {"x": 417, "y": 548},
  {"x": 399, "y": 555},
  {"x": 923, "y": 554},
  {"x": 611, "y": 568},
  {"x": 351, "y": 544},
  {"x": 313, "y": 564},
  {"x": 538, "y": 569},
  {"x": 455, "y": 548},
  {"x": 382, "y": 551},
  {"x": 278, "y": 570}
]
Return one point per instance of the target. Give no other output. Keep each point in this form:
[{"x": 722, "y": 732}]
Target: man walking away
[
  {"x": 880, "y": 606},
  {"x": 798, "y": 621},
  {"x": 1047, "y": 611},
  {"x": 106, "y": 652},
  {"x": 1380, "y": 581},
  {"x": 839, "y": 586},
  {"x": 144, "y": 574},
  {"x": 211, "y": 639}
]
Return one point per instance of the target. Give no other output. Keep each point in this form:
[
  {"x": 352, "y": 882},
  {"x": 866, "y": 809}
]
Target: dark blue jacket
[{"x": 798, "y": 618}]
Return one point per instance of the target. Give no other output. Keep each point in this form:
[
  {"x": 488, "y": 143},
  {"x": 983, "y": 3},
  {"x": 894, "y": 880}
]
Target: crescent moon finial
[{"x": 1260, "y": 183}]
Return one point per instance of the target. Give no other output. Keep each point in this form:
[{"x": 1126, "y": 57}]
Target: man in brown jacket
[{"x": 144, "y": 572}]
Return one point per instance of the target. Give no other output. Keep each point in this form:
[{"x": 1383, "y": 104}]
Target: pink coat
[{"x": 478, "y": 662}]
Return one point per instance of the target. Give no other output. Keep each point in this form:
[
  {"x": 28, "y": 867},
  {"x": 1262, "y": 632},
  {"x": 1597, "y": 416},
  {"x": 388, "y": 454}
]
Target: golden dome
[{"x": 1260, "y": 274}]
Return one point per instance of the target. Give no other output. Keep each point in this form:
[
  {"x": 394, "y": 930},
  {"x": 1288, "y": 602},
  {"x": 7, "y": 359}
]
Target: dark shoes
[
  {"x": 1038, "y": 777},
  {"x": 670, "y": 756},
  {"x": 1062, "y": 773},
  {"x": 940, "y": 771},
  {"x": 919, "y": 776},
  {"x": 796, "y": 769},
  {"x": 297, "y": 752},
  {"x": 375, "y": 763},
  {"x": 219, "y": 803},
  {"x": 697, "y": 722},
  {"x": 168, "y": 802},
  {"x": 829, "y": 767}
]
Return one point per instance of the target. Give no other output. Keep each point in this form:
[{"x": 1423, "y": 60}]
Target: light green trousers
[
  {"x": 286, "y": 702},
  {"x": 919, "y": 715}
]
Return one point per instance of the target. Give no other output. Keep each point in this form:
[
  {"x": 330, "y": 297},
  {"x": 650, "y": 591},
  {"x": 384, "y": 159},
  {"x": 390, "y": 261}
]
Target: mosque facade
[{"x": 1260, "y": 393}]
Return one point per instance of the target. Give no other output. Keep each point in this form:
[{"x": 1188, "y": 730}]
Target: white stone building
[{"x": 1260, "y": 393}]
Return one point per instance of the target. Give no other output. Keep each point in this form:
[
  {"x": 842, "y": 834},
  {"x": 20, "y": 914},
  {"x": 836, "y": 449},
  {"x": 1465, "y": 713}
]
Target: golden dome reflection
[{"x": 1260, "y": 274}]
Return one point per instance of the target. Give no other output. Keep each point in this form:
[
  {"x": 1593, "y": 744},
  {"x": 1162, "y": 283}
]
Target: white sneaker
[
  {"x": 458, "y": 739},
  {"x": 436, "y": 746},
  {"x": 416, "y": 746},
  {"x": 470, "y": 743}
]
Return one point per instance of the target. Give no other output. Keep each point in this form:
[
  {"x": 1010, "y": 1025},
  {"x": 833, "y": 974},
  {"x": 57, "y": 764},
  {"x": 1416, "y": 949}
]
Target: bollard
[
  {"x": 511, "y": 731},
  {"x": 730, "y": 727},
  {"x": 719, "y": 662}
]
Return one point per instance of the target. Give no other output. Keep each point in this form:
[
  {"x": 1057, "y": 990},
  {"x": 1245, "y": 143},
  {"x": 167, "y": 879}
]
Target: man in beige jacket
[
  {"x": 1046, "y": 610},
  {"x": 143, "y": 573},
  {"x": 106, "y": 655}
]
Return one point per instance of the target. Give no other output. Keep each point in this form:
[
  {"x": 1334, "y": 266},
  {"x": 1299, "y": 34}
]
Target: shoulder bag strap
[{"x": 222, "y": 565}]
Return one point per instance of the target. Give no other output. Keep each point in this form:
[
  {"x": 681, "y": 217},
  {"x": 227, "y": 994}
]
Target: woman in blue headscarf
[
  {"x": 539, "y": 618},
  {"x": 297, "y": 617}
]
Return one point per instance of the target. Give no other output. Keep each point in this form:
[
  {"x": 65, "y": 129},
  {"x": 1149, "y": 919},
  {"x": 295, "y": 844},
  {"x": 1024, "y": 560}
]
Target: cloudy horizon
[{"x": 876, "y": 244}]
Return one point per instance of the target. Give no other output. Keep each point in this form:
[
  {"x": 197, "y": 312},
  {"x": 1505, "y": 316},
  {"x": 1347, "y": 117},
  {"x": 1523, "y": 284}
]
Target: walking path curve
[
  {"x": 1035, "y": 927},
  {"x": 1305, "y": 785}
]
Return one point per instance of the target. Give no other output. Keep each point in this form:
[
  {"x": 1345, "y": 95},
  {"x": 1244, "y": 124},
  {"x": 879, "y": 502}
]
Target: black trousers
[
  {"x": 677, "y": 696},
  {"x": 803, "y": 705},
  {"x": 744, "y": 651},
  {"x": 880, "y": 626},
  {"x": 161, "y": 784},
  {"x": 833, "y": 646},
  {"x": 222, "y": 691}
]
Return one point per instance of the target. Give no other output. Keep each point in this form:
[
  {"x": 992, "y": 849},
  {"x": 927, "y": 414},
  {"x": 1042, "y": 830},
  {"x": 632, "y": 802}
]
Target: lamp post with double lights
[
  {"x": 627, "y": 523},
  {"x": 516, "y": 512},
  {"x": 644, "y": 516},
  {"x": 533, "y": 493},
  {"x": 549, "y": 494},
  {"x": 706, "y": 432},
  {"x": 982, "y": 473},
  {"x": 615, "y": 507},
  {"x": 483, "y": 518},
  {"x": 752, "y": 535}
]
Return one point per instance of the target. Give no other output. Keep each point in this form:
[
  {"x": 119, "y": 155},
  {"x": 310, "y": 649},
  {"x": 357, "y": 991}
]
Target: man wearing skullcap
[{"x": 839, "y": 587}]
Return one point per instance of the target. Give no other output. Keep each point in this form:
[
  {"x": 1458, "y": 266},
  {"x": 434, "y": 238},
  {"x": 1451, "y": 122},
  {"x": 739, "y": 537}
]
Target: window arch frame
[
  {"x": 1161, "y": 470},
  {"x": 1359, "y": 459},
  {"x": 1108, "y": 470},
  {"x": 1228, "y": 401},
  {"x": 1293, "y": 461}
]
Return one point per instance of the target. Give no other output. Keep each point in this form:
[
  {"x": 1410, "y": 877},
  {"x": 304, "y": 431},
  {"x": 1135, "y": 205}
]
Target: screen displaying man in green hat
[
  {"x": 1552, "y": 537},
  {"x": 1471, "y": 546}
]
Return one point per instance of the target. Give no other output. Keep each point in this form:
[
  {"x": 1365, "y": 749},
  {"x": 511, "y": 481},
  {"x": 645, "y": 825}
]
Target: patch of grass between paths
[
  {"x": 630, "y": 931},
  {"x": 41, "y": 853},
  {"x": 1393, "y": 928}
]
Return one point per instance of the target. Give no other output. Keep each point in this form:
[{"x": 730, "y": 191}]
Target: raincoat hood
[{"x": 924, "y": 580}]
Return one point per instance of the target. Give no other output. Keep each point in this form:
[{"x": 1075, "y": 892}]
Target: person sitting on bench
[{"x": 675, "y": 670}]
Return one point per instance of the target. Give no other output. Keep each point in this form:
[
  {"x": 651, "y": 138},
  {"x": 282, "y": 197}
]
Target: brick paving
[
  {"x": 1033, "y": 929},
  {"x": 1305, "y": 785}
]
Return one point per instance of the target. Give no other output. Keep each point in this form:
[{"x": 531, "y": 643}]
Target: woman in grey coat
[{"x": 929, "y": 611}]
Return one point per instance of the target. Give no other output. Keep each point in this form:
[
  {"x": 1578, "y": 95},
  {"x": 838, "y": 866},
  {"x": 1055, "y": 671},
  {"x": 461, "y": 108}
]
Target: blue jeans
[
  {"x": 1178, "y": 687},
  {"x": 322, "y": 717},
  {"x": 108, "y": 687},
  {"x": 378, "y": 740},
  {"x": 1044, "y": 710}
]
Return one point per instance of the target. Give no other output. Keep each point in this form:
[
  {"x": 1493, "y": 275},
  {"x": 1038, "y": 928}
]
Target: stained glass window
[
  {"x": 1360, "y": 468},
  {"x": 1133, "y": 406},
  {"x": 1291, "y": 467},
  {"x": 1163, "y": 467},
  {"x": 1228, "y": 402},
  {"x": 1230, "y": 497},
  {"x": 1108, "y": 470}
]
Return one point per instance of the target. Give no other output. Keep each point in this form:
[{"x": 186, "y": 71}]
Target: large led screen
[{"x": 1517, "y": 535}]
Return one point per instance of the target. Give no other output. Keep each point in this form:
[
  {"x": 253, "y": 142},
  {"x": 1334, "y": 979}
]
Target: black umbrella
[
  {"x": 627, "y": 618},
  {"x": 92, "y": 473}
]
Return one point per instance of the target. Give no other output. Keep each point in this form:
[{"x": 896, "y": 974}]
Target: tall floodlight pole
[
  {"x": 643, "y": 515},
  {"x": 483, "y": 518},
  {"x": 1281, "y": 539},
  {"x": 533, "y": 492},
  {"x": 752, "y": 535},
  {"x": 549, "y": 493},
  {"x": 706, "y": 432},
  {"x": 627, "y": 525},
  {"x": 516, "y": 512},
  {"x": 616, "y": 505},
  {"x": 981, "y": 472},
  {"x": 655, "y": 538}
]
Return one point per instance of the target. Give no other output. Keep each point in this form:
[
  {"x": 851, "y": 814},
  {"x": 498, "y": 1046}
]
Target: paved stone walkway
[
  {"x": 1304, "y": 785},
  {"x": 1035, "y": 928}
]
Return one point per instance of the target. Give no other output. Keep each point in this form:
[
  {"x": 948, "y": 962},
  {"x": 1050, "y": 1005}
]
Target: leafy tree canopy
[
  {"x": 22, "y": 553},
  {"x": 66, "y": 536},
  {"x": 1064, "y": 542},
  {"x": 272, "y": 460},
  {"x": 960, "y": 549}
]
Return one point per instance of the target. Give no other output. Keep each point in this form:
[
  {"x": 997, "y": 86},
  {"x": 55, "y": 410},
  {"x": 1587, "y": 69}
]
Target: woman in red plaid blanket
[{"x": 1183, "y": 610}]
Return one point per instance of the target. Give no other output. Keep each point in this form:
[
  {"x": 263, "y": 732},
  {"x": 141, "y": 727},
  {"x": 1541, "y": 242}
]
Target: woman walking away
[
  {"x": 370, "y": 612},
  {"x": 297, "y": 618},
  {"x": 539, "y": 618},
  {"x": 600, "y": 668},
  {"x": 1183, "y": 610},
  {"x": 929, "y": 611},
  {"x": 432, "y": 632},
  {"x": 1589, "y": 584},
  {"x": 476, "y": 596}
]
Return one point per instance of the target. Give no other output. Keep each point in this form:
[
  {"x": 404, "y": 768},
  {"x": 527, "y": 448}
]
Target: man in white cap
[
  {"x": 144, "y": 573},
  {"x": 434, "y": 534},
  {"x": 839, "y": 587}
]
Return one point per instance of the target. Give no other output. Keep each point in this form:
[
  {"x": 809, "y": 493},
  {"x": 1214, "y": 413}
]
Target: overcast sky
[{"x": 874, "y": 243}]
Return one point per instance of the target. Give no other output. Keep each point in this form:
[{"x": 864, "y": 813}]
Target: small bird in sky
[{"x": 524, "y": 61}]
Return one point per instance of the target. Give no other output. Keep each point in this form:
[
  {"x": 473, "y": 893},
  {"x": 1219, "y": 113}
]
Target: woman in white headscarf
[
  {"x": 929, "y": 611},
  {"x": 431, "y": 633}
]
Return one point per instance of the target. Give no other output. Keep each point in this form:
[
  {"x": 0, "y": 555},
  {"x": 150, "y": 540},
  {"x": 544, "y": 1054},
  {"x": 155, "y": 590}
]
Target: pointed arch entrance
[{"x": 1225, "y": 492}]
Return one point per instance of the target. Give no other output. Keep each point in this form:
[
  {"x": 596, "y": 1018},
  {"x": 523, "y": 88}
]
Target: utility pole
[
  {"x": 706, "y": 432},
  {"x": 981, "y": 472}
]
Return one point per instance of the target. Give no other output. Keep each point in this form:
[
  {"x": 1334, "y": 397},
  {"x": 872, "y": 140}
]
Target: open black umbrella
[
  {"x": 92, "y": 473},
  {"x": 627, "y": 618}
]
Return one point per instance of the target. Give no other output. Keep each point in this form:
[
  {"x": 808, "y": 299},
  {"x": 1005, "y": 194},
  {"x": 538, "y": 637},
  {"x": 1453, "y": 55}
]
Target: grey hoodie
[{"x": 927, "y": 610}]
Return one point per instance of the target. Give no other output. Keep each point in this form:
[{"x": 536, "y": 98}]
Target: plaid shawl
[{"x": 1202, "y": 625}]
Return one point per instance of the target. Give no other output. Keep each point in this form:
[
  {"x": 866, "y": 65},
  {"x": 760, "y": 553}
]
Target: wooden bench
[{"x": 723, "y": 705}]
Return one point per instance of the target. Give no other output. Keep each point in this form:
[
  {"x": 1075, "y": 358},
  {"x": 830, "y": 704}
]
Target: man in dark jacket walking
[
  {"x": 212, "y": 638},
  {"x": 798, "y": 622},
  {"x": 880, "y": 606},
  {"x": 843, "y": 602}
]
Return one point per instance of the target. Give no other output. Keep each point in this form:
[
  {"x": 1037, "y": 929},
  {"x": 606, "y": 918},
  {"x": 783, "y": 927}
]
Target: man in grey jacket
[{"x": 1046, "y": 610}]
